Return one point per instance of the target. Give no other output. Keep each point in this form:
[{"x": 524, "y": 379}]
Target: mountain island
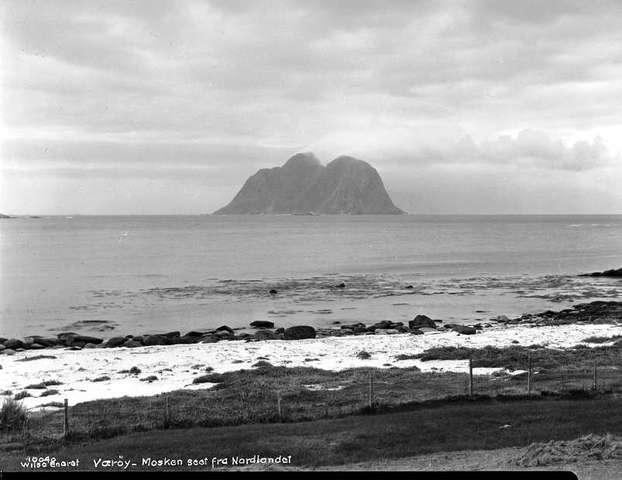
[{"x": 303, "y": 185}]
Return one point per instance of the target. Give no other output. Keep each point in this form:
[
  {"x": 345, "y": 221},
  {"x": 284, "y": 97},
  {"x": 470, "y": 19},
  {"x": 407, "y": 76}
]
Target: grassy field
[
  {"x": 305, "y": 393},
  {"x": 466, "y": 425}
]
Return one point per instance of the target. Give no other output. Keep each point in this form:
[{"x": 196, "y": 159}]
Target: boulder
[
  {"x": 195, "y": 334},
  {"x": 464, "y": 329},
  {"x": 71, "y": 339},
  {"x": 355, "y": 327},
  {"x": 172, "y": 335},
  {"x": 90, "y": 345},
  {"x": 9, "y": 351},
  {"x": 116, "y": 342},
  {"x": 501, "y": 319},
  {"x": 279, "y": 331},
  {"x": 209, "y": 338},
  {"x": 46, "y": 341},
  {"x": 299, "y": 332},
  {"x": 36, "y": 346},
  {"x": 188, "y": 339},
  {"x": 225, "y": 328},
  {"x": 340, "y": 285},
  {"x": 265, "y": 335},
  {"x": 2, "y": 347},
  {"x": 422, "y": 321},
  {"x": 273, "y": 292},
  {"x": 132, "y": 344},
  {"x": 150, "y": 340},
  {"x": 14, "y": 344},
  {"x": 224, "y": 334},
  {"x": 416, "y": 331},
  {"x": 262, "y": 324}
]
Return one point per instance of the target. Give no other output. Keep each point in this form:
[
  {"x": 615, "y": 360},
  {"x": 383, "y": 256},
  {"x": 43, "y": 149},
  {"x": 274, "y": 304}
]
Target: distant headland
[{"x": 303, "y": 186}]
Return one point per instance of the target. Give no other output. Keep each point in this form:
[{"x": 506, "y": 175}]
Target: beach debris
[
  {"x": 363, "y": 355},
  {"x": 150, "y": 378},
  {"x": 588, "y": 447},
  {"x": 103, "y": 378}
]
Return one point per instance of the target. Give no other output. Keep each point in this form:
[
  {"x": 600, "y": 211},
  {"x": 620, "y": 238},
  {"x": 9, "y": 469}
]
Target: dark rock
[
  {"x": 299, "y": 332},
  {"x": 340, "y": 285},
  {"x": 187, "y": 340},
  {"x": 262, "y": 324},
  {"x": 103, "y": 378},
  {"x": 422, "y": 321},
  {"x": 613, "y": 273},
  {"x": 416, "y": 331},
  {"x": 150, "y": 378},
  {"x": 464, "y": 329},
  {"x": 363, "y": 355},
  {"x": 9, "y": 351},
  {"x": 209, "y": 338},
  {"x": 196, "y": 334},
  {"x": 115, "y": 342},
  {"x": 150, "y": 340},
  {"x": 225, "y": 328},
  {"x": 14, "y": 344},
  {"x": 224, "y": 334},
  {"x": 243, "y": 336},
  {"x": 174, "y": 334},
  {"x": 273, "y": 292},
  {"x": 355, "y": 327},
  {"x": 409, "y": 287},
  {"x": 132, "y": 344},
  {"x": 265, "y": 335},
  {"x": 71, "y": 339},
  {"x": 279, "y": 331},
  {"x": 135, "y": 370},
  {"x": 36, "y": 346}
]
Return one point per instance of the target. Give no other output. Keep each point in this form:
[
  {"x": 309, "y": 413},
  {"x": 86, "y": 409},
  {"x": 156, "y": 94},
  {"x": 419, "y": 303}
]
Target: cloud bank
[{"x": 166, "y": 107}]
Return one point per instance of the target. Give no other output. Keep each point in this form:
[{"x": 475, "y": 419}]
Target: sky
[{"x": 166, "y": 107}]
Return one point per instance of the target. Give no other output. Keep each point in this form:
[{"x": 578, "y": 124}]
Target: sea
[{"x": 117, "y": 275}]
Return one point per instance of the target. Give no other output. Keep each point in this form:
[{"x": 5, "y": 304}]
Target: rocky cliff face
[{"x": 344, "y": 186}]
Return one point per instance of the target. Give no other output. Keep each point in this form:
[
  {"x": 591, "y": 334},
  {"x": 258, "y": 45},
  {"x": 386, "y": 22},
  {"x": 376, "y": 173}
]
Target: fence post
[
  {"x": 371, "y": 390},
  {"x": 278, "y": 405},
  {"x": 66, "y": 418},
  {"x": 595, "y": 379},
  {"x": 167, "y": 413},
  {"x": 529, "y": 375},
  {"x": 470, "y": 377}
]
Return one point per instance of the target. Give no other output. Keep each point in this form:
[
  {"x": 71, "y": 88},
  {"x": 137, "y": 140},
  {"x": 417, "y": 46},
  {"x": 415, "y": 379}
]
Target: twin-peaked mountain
[{"x": 303, "y": 185}]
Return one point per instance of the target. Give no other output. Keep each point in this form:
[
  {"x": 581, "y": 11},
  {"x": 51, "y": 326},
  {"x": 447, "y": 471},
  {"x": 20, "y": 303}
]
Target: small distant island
[{"x": 304, "y": 186}]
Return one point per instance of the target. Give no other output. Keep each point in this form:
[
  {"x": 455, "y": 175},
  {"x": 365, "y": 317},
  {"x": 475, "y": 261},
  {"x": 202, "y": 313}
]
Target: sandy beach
[{"x": 91, "y": 374}]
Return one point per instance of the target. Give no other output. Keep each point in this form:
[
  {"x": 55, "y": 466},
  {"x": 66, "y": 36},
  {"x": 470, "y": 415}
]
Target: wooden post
[
  {"x": 167, "y": 413},
  {"x": 470, "y": 377},
  {"x": 595, "y": 379},
  {"x": 66, "y": 419},
  {"x": 371, "y": 390},
  {"x": 278, "y": 405},
  {"x": 529, "y": 375}
]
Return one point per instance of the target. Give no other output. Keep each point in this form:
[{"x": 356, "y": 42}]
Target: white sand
[{"x": 173, "y": 364}]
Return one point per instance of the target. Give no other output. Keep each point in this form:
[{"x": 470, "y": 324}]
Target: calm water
[{"x": 150, "y": 273}]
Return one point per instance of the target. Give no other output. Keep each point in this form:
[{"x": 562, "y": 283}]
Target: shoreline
[{"x": 81, "y": 375}]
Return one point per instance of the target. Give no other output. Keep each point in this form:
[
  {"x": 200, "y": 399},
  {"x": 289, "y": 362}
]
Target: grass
[
  {"x": 467, "y": 425},
  {"x": 517, "y": 357},
  {"x": 13, "y": 415}
]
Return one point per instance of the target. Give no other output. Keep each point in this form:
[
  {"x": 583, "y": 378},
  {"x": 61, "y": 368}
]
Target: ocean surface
[{"x": 137, "y": 274}]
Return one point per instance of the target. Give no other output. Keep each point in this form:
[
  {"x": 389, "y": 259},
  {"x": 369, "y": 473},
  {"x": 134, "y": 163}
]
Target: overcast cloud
[{"x": 478, "y": 106}]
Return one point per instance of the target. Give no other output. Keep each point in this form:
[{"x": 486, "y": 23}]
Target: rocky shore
[{"x": 597, "y": 312}]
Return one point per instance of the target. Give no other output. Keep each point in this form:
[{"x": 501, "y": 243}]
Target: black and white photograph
[{"x": 311, "y": 235}]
